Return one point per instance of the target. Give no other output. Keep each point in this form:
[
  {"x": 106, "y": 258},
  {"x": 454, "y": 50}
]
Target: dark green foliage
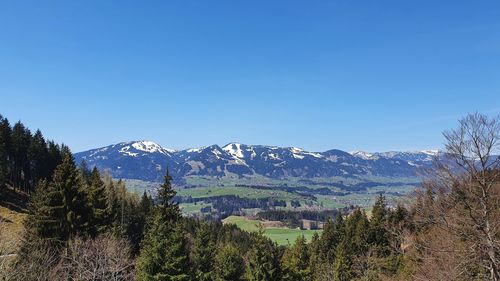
[
  {"x": 96, "y": 195},
  {"x": 5, "y": 149},
  {"x": 146, "y": 203},
  {"x": 164, "y": 253},
  {"x": 343, "y": 263},
  {"x": 58, "y": 210},
  {"x": 228, "y": 264},
  {"x": 263, "y": 260},
  {"x": 25, "y": 158},
  {"x": 204, "y": 253},
  {"x": 378, "y": 235},
  {"x": 168, "y": 209},
  {"x": 295, "y": 261},
  {"x": 21, "y": 139},
  {"x": 356, "y": 233},
  {"x": 330, "y": 238},
  {"x": 85, "y": 172}
]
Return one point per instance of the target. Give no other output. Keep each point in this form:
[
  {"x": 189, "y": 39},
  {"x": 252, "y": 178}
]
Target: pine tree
[
  {"x": 343, "y": 263},
  {"x": 96, "y": 194},
  {"x": 332, "y": 235},
  {"x": 5, "y": 150},
  {"x": 37, "y": 157},
  {"x": 146, "y": 203},
  {"x": 58, "y": 210},
  {"x": 204, "y": 252},
  {"x": 378, "y": 235},
  {"x": 21, "y": 138},
  {"x": 315, "y": 260},
  {"x": 228, "y": 264},
  {"x": 263, "y": 261},
  {"x": 164, "y": 253},
  {"x": 85, "y": 172},
  {"x": 168, "y": 209},
  {"x": 356, "y": 232},
  {"x": 295, "y": 262},
  {"x": 54, "y": 158}
]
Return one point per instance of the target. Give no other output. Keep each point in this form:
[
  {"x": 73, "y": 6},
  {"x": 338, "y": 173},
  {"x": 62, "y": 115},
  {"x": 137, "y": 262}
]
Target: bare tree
[
  {"x": 36, "y": 266},
  {"x": 103, "y": 258},
  {"x": 462, "y": 203}
]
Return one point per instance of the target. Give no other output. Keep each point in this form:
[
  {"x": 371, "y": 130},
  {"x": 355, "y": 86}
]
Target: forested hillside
[{"x": 83, "y": 225}]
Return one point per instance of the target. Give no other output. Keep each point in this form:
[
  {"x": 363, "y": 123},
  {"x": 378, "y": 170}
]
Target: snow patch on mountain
[{"x": 234, "y": 149}]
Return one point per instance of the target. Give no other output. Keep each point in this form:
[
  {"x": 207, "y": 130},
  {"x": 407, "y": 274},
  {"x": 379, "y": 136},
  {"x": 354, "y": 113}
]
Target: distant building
[{"x": 310, "y": 224}]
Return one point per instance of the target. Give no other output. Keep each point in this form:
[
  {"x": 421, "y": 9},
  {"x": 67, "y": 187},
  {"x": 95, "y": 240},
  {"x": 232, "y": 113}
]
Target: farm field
[{"x": 280, "y": 235}]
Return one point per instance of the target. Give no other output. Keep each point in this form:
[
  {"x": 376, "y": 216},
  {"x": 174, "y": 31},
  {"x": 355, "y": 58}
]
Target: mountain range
[{"x": 148, "y": 161}]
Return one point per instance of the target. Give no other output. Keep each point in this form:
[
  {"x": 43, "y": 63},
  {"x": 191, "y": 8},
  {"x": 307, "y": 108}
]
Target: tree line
[{"x": 26, "y": 158}]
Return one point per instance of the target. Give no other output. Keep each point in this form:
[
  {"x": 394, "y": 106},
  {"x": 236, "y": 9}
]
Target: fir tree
[
  {"x": 263, "y": 261},
  {"x": 315, "y": 260},
  {"x": 146, "y": 203},
  {"x": 295, "y": 261},
  {"x": 5, "y": 150},
  {"x": 332, "y": 235},
  {"x": 168, "y": 209},
  {"x": 21, "y": 138},
  {"x": 164, "y": 254},
  {"x": 96, "y": 194},
  {"x": 204, "y": 252},
  {"x": 378, "y": 235},
  {"x": 343, "y": 263},
  {"x": 85, "y": 172},
  {"x": 37, "y": 156},
  {"x": 58, "y": 210},
  {"x": 228, "y": 264}
]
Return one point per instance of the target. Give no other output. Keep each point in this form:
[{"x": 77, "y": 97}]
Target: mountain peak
[
  {"x": 233, "y": 149},
  {"x": 150, "y": 146}
]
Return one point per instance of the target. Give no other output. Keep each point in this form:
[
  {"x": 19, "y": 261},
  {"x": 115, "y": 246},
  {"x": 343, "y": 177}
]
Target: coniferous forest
[{"x": 81, "y": 224}]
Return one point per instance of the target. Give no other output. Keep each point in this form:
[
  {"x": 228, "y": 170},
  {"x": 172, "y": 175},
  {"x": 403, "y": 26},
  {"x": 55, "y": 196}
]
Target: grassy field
[
  {"x": 193, "y": 208},
  {"x": 282, "y": 236},
  {"x": 12, "y": 214},
  {"x": 202, "y": 187}
]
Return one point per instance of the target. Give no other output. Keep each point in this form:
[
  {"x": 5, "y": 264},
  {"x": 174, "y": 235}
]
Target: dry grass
[
  {"x": 11, "y": 228},
  {"x": 12, "y": 214}
]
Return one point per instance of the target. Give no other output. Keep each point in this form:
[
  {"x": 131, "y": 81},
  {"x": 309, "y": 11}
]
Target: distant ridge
[{"x": 147, "y": 160}]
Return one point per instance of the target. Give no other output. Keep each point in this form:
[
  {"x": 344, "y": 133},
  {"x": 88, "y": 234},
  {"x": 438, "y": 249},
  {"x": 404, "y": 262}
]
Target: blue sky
[{"x": 353, "y": 75}]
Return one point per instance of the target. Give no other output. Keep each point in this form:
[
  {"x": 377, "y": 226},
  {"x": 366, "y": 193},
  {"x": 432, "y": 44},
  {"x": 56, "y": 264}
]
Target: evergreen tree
[
  {"x": 54, "y": 158},
  {"x": 37, "y": 156},
  {"x": 356, "y": 233},
  {"x": 343, "y": 263},
  {"x": 5, "y": 150},
  {"x": 168, "y": 209},
  {"x": 21, "y": 138},
  {"x": 59, "y": 209},
  {"x": 204, "y": 252},
  {"x": 146, "y": 203},
  {"x": 332, "y": 235},
  {"x": 96, "y": 194},
  {"x": 378, "y": 235},
  {"x": 164, "y": 253},
  {"x": 85, "y": 172},
  {"x": 228, "y": 264},
  {"x": 263, "y": 260},
  {"x": 295, "y": 262},
  {"x": 315, "y": 260}
]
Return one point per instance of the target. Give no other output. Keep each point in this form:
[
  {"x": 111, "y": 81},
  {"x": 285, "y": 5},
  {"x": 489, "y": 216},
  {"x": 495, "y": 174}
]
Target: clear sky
[{"x": 353, "y": 75}]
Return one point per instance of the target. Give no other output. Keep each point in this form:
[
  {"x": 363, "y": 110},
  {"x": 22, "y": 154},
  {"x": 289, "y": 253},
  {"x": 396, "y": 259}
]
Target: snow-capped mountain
[{"x": 147, "y": 160}]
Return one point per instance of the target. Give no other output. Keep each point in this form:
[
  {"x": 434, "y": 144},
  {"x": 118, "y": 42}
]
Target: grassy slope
[{"x": 12, "y": 214}]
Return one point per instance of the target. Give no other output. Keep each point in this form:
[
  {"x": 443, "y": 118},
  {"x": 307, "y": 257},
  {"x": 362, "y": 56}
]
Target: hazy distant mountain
[{"x": 147, "y": 160}]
